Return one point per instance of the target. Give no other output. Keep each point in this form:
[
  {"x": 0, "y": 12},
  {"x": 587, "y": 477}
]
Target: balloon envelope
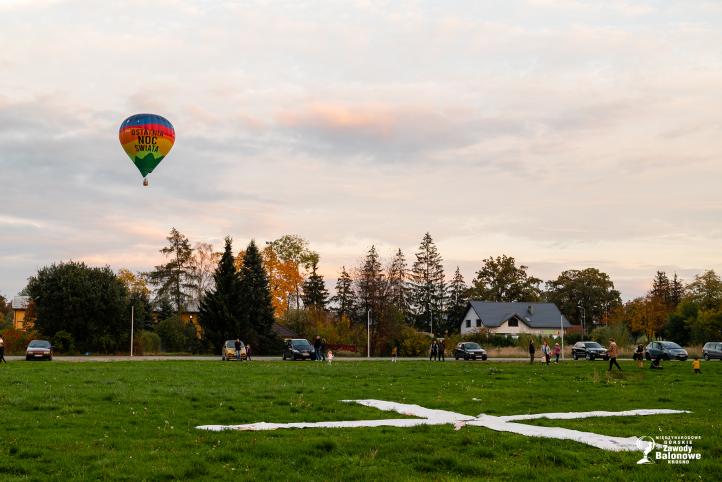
[{"x": 147, "y": 139}]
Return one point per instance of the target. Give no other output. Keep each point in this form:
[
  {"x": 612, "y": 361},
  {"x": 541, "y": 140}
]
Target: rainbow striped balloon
[{"x": 147, "y": 139}]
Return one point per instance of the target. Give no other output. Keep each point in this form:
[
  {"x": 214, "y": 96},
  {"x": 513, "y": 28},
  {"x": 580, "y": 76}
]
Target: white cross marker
[{"x": 507, "y": 423}]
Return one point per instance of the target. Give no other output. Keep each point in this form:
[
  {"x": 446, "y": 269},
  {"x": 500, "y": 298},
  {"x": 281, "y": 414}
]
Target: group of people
[
  {"x": 437, "y": 350},
  {"x": 238, "y": 346},
  {"x": 320, "y": 351},
  {"x": 547, "y": 351}
]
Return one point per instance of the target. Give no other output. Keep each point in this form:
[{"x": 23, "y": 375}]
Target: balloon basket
[{"x": 145, "y": 182}]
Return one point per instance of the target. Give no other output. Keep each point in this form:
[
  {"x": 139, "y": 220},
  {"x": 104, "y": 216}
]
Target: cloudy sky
[{"x": 568, "y": 134}]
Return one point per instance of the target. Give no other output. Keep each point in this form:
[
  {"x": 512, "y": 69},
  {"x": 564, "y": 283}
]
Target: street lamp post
[
  {"x": 132, "y": 321},
  {"x": 368, "y": 331}
]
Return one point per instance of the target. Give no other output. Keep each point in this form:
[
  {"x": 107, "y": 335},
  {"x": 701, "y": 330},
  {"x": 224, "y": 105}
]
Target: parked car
[
  {"x": 39, "y": 350},
  {"x": 712, "y": 350},
  {"x": 299, "y": 349},
  {"x": 228, "y": 352},
  {"x": 469, "y": 350},
  {"x": 590, "y": 350},
  {"x": 666, "y": 350}
]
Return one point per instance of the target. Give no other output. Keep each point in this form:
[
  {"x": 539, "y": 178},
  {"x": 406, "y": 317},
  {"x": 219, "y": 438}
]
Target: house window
[
  {"x": 478, "y": 323},
  {"x": 513, "y": 322},
  {"x": 468, "y": 323}
]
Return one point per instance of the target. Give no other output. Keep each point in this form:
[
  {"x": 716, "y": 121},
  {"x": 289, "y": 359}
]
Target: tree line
[{"x": 244, "y": 294}]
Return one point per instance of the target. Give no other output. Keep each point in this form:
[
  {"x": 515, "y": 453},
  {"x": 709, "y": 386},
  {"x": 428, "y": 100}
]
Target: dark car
[
  {"x": 299, "y": 349},
  {"x": 712, "y": 350},
  {"x": 468, "y": 350},
  {"x": 589, "y": 350},
  {"x": 39, "y": 350},
  {"x": 666, "y": 350}
]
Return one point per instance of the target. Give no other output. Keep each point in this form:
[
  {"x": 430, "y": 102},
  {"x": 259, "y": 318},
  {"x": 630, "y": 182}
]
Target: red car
[{"x": 39, "y": 350}]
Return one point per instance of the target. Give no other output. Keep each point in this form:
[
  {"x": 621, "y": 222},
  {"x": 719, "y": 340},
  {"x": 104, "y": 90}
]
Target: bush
[
  {"x": 177, "y": 336},
  {"x": 17, "y": 340},
  {"x": 413, "y": 343},
  {"x": 63, "y": 342},
  {"x": 146, "y": 342}
]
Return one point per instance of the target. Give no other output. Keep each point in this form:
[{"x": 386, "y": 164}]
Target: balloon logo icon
[{"x": 147, "y": 139}]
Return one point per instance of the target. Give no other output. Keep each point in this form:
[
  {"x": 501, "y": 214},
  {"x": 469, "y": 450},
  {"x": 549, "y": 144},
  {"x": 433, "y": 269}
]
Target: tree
[
  {"x": 202, "y": 266},
  {"x": 661, "y": 289},
  {"x": 371, "y": 283},
  {"x": 500, "y": 279},
  {"x": 458, "y": 299},
  {"x": 345, "y": 299},
  {"x": 139, "y": 297},
  {"x": 428, "y": 287},
  {"x": 589, "y": 288},
  {"x": 256, "y": 301},
  {"x": 89, "y": 303},
  {"x": 292, "y": 251},
  {"x": 676, "y": 291},
  {"x": 221, "y": 309},
  {"x": 315, "y": 294},
  {"x": 706, "y": 290},
  {"x": 174, "y": 278},
  {"x": 397, "y": 289}
]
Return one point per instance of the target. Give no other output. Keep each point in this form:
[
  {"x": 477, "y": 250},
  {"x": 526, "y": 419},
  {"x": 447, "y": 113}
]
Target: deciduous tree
[{"x": 500, "y": 279}]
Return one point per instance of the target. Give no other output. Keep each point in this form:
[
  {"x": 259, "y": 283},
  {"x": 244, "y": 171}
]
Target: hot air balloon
[{"x": 147, "y": 139}]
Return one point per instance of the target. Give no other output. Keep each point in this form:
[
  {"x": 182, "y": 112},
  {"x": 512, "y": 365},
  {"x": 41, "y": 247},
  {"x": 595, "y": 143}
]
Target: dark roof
[
  {"x": 535, "y": 315},
  {"x": 20, "y": 302},
  {"x": 283, "y": 332}
]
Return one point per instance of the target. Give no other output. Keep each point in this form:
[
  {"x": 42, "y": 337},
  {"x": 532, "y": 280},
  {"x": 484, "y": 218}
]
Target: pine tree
[
  {"x": 661, "y": 289},
  {"x": 457, "y": 301},
  {"x": 175, "y": 278},
  {"x": 314, "y": 294},
  {"x": 345, "y": 299},
  {"x": 397, "y": 285},
  {"x": 221, "y": 313},
  {"x": 676, "y": 291},
  {"x": 256, "y": 301},
  {"x": 371, "y": 283},
  {"x": 428, "y": 287}
]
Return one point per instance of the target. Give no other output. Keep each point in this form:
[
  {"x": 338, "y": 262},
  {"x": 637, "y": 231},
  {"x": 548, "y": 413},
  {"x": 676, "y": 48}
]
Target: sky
[{"x": 565, "y": 133}]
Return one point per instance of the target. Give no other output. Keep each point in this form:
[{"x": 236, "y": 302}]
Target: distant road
[{"x": 93, "y": 358}]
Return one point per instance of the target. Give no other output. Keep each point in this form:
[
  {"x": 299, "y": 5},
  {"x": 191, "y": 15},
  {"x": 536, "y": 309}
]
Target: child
[
  {"x": 557, "y": 351},
  {"x": 329, "y": 357},
  {"x": 696, "y": 366},
  {"x": 394, "y": 353}
]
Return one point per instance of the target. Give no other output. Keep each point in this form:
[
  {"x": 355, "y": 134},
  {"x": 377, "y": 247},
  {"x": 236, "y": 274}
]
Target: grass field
[{"x": 135, "y": 420}]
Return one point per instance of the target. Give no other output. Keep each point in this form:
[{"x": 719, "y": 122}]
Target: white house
[{"x": 513, "y": 318}]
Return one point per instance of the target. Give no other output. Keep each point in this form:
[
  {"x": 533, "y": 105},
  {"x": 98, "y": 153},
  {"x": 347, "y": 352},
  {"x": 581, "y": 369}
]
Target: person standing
[
  {"x": 237, "y": 345},
  {"x": 394, "y": 354},
  {"x": 323, "y": 349},
  {"x": 696, "y": 365},
  {"x": 639, "y": 356},
  {"x": 532, "y": 350},
  {"x": 248, "y": 352},
  {"x": 613, "y": 352},
  {"x": 557, "y": 351},
  {"x": 433, "y": 351},
  {"x": 547, "y": 351},
  {"x": 442, "y": 349},
  {"x": 317, "y": 348},
  {"x": 2, "y": 350}
]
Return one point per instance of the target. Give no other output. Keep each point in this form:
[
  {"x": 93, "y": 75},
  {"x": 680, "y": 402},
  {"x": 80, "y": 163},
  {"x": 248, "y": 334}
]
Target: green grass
[{"x": 135, "y": 421}]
